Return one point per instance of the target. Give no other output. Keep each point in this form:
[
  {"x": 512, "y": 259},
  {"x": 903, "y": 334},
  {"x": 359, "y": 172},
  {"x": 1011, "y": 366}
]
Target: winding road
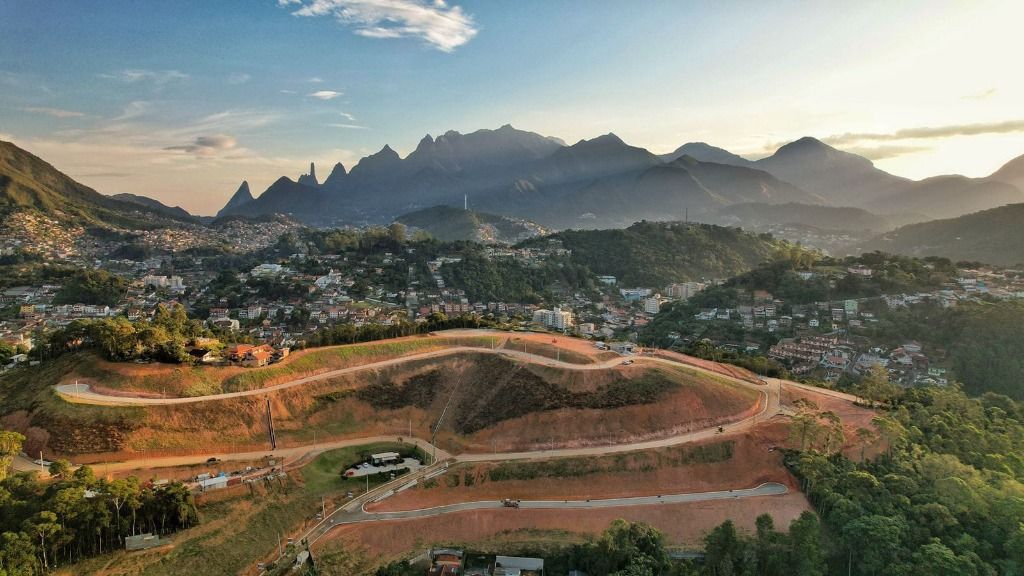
[{"x": 768, "y": 403}]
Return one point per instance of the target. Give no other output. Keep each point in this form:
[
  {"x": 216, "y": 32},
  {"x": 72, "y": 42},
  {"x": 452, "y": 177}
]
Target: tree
[
  {"x": 10, "y": 446},
  {"x": 872, "y": 542},
  {"x": 43, "y": 525},
  {"x": 806, "y": 556},
  {"x": 875, "y": 386},
  {"x": 396, "y": 232},
  {"x": 60, "y": 468},
  {"x": 804, "y": 428},
  {"x": 865, "y": 436}
]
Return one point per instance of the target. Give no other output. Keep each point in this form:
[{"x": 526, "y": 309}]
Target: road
[
  {"x": 83, "y": 393},
  {"x": 346, "y": 515},
  {"x": 768, "y": 402}
]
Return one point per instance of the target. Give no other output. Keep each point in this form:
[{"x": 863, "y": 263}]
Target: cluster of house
[
  {"x": 255, "y": 355},
  {"x": 833, "y": 355},
  {"x": 452, "y": 562}
]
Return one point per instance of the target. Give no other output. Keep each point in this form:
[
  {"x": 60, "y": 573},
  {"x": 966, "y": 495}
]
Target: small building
[
  {"x": 518, "y": 566},
  {"x": 385, "y": 458},
  {"x": 141, "y": 541}
]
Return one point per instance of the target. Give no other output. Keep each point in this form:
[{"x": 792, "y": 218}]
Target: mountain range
[
  {"x": 520, "y": 184},
  {"x": 604, "y": 182}
]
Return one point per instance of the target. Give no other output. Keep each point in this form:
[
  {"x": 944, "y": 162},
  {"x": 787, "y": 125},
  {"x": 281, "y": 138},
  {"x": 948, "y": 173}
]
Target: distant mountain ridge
[
  {"x": 993, "y": 236},
  {"x": 605, "y": 182}
]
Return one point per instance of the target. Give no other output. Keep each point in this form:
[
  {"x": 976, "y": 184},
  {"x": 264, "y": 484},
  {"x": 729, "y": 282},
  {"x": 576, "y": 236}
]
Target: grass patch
[{"x": 234, "y": 534}]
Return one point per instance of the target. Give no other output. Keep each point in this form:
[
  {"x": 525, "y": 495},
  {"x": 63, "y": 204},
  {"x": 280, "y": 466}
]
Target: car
[
  {"x": 212, "y": 459},
  {"x": 627, "y": 362}
]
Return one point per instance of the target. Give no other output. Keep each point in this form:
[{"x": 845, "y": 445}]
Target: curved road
[{"x": 83, "y": 394}]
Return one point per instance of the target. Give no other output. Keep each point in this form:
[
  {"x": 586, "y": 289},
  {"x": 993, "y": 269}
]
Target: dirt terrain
[
  {"x": 736, "y": 462},
  {"x": 555, "y": 407},
  {"x": 683, "y": 524}
]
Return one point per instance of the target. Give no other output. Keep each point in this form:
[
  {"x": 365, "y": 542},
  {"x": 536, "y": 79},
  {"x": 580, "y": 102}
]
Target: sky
[{"x": 181, "y": 101}]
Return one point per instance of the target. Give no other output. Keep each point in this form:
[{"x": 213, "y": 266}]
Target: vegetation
[
  {"x": 119, "y": 339},
  {"x": 984, "y": 342},
  {"x": 943, "y": 499},
  {"x": 46, "y": 525},
  {"x": 657, "y": 253},
  {"x": 447, "y": 223},
  {"x": 507, "y": 280},
  {"x": 994, "y": 236}
]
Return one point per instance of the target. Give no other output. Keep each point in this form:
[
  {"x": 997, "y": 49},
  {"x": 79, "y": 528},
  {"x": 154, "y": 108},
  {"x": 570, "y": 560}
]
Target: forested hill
[
  {"x": 449, "y": 224},
  {"x": 657, "y": 253},
  {"x": 994, "y": 236}
]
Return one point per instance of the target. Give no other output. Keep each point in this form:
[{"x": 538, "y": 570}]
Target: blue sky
[{"x": 182, "y": 100}]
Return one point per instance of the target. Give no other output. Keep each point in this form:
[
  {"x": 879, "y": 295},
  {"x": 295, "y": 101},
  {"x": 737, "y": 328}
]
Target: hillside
[
  {"x": 757, "y": 214},
  {"x": 994, "y": 236},
  {"x": 29, "y": 183},
  {"x": 448, "y": 223},
  {"x": 655, "y": 254},
  {"x": 172, "y": 211}
]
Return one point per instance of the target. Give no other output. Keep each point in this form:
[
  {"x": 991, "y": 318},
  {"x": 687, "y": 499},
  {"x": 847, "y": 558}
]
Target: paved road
[
  {"x": 351, "y": 515},
  {"x": 767, "y": 489}
]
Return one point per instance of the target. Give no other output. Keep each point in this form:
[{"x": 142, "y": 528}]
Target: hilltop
[
  {"x": 657, "y": 253},
  {"x": 451, "y": 224}
]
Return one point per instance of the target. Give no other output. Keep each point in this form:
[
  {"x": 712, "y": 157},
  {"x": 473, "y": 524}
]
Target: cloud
[
  {"x": 884, "y": 151},
  {"x": 348, "y": 126},
  {"x": 288, "y": 92},
  {"x": 316, "y": 80},
  {"x": 133, "y": 76},
  {"x": 929, "y": 132},
  {"x": 347, "y": 116},
  {"x": 439, "y": 25},
  {"x": 133, "y": 109},
  {"x": 238, "y": 78},
  {"x": 55, "y": 112},
  {"x": 325, "y": 94},
  {"x": 983, "y": 95},
  {"x": 207, "y": 145}
]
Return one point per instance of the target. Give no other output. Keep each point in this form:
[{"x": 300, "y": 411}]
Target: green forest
[
  {"x": 657, "y": 253},
  {"x": 45, "y": 525}
]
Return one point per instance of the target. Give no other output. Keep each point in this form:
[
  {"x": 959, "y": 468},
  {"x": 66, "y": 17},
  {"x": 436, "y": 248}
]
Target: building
[
  {"x": 634, "y": 294},
  {"x": 558, "y": 319},
  {"x": 385, "y": 458},
  {"x": 267, "y": 270},
  {"x": 173, "y": 283},
  {"x": 652, "y": 305},
  {"x": 683, "y": 291},
  {"x": 607, "y": 280},
  {"x": 516, "y": 566}
]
